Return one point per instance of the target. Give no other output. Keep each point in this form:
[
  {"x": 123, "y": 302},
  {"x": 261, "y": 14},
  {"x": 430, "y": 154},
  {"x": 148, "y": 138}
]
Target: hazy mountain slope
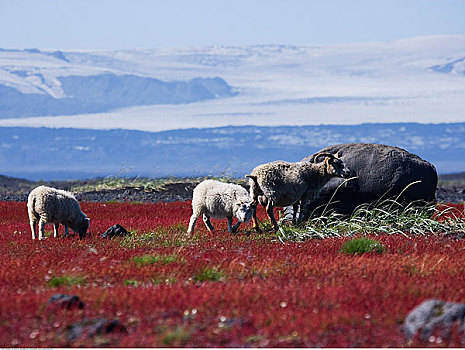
[
  {"x": 106, "y": 92},
  {"x": 42, "y": 153}
]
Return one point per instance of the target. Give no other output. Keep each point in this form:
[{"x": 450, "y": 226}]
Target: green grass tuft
[
  {"x": 132, "y": 283},
  {"x": 57, "y": 281},
  {"x": 209, "y": 274},
  {"x": 154, "y": 259},
  {"x": 362, "y": 245},
  {"x": 176, "y": 337},
  {"x": 387, "y": 217}
]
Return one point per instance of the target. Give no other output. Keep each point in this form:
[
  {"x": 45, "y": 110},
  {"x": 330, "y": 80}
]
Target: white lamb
[
  {"x": 280, "y": 183},
  {"x": 49, "y": 205},
  {"x": 220, "y": 200}
]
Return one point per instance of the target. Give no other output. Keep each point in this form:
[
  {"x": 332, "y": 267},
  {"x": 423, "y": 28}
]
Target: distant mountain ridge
[
  {"x": 56, "y": 154},
  {"x": 106, "y": 92}
]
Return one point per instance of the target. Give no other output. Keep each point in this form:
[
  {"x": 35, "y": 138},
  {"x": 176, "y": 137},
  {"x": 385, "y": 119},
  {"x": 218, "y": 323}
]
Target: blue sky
[{"x": 128, "y": 24}]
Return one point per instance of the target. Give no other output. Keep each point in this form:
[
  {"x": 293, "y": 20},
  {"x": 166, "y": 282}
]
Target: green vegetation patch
[
  {"x": 362, "y": 245},
  {"x": 157, "y": 259},
  {"x": 144, "y": 183},
  {"x": 133, "y": 283},
  {"x": 57, "y": 281},
  {"x": 387, "y": 217},
  {"x": 176, "y": 337},
  {"x": 171, "y": 236},
  {"x": 210, "y": 274}
]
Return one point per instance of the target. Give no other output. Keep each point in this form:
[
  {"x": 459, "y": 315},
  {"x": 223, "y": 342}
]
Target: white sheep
[
  {"x": 281, "y": 183},
  {"x": 220, "y": 200},
  {"x": 50, "y": 205}
]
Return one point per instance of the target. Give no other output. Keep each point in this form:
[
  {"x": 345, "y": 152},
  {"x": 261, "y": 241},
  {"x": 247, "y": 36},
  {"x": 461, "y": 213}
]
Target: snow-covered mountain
[
  {"x": 413, "y": 80},
  {"x": 213, "y": 110}
]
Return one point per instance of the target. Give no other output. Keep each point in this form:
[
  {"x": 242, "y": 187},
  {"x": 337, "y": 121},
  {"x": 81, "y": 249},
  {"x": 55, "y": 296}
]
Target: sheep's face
[
  {"x": 244, "y": 211},
  {"x": 83, "y": 227},
  {"x": 336, "y": 167}
]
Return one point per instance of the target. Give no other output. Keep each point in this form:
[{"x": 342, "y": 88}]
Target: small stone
[
  {"x": 65, "y": 301},
  {"x": 434, "y": 315},
  {"x": 115, "y": 230}
]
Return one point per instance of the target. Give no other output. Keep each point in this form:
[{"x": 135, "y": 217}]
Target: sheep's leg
[
  {"x": 55, "y": 230},
  {"x": 192, "y": 221},
  {"x": 66, "y": 231},
  {"x": 269, "y": 212},
  {"x": 229, "y": 224},
  {"x": 303, "y": 208},
  {"x": 41, "y": 229},
  {"x": 33, "y": 224},
  {"x": 295, "y": 208},
  {"x": 235, "y": 227},
  {"x": 255, "y": 224},
  {"x": 207, "y": 222}
]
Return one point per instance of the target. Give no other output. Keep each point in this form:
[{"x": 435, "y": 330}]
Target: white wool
[
  {"x": 217, "y": 199},
  {"x": 50, "y": 205}
]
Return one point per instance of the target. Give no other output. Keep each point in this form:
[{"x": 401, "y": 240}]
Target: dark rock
[
  {"x": 382, "y": 172},
  {"x": 65, "y": 301},
  {"x": 115, "y": 230},
  {"x": 432, "y": 315},
  {"x": 92, "y": 327}
]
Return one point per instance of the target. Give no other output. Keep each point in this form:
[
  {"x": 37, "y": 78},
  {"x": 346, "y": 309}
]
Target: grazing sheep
[
  {"x": 382, "y": 172},
  {"x": 220, "y": 200},
  {"x": 281, "y": 183},
  {"x": 47, "y": 204}
]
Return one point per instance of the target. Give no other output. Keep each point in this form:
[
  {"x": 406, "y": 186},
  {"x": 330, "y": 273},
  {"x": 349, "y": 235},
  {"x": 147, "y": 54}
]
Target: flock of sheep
[{"x": 277, "y": 183}]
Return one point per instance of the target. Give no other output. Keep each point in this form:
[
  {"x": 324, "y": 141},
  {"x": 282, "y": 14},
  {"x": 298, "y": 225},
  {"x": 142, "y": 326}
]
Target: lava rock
[
  {"x": 115, "y": 230},
  {"x": 92, "y": 327},
  {"x": 65, "y": 301},
  {"x": 382, "y": 172},
  {"x": 433, "y": 315}
]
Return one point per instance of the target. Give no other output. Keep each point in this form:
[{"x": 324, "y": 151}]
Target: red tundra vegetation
[{"x": 166, "y": 288}]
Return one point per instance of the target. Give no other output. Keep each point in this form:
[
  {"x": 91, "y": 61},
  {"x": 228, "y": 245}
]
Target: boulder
[
  {"x": 92, "y": 327},
  {"x": 65, "y": 301},
  {"x": 433, "y": 315},
  {"x": 382, "y": 172},
  {"x": 115, "y": 230}
]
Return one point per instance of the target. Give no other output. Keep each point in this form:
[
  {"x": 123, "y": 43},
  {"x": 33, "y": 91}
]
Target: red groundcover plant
[{"x": 166, "y": 288}]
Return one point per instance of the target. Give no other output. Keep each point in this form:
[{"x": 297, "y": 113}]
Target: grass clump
[
  {"x": 171, "y": 236},
  {"x": 132, "y": 283},
  {"x": 209, "y": 274},
  {"x": 154, "y": 259},
  {"x": 57, "y": 281},
  {"x": 176, "y": 337},
  {"x": 144, "y": 183},
  {"x": 362, "y": 245},
  {"x": 121, "y": 182},
  {"x": 387, "y": 217}
]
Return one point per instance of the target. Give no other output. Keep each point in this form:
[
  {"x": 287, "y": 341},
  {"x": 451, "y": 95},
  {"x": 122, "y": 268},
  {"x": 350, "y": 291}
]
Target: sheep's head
[
  {"x": 83, "y": 227},
  {"x": 244, "y": 210},
  {"x": 334, "y": 166}
]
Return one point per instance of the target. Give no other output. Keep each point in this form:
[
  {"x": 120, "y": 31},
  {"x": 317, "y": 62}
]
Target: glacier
[
  {"x": 221, "y": 110},
  {"x": 411, "y": 80}
]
